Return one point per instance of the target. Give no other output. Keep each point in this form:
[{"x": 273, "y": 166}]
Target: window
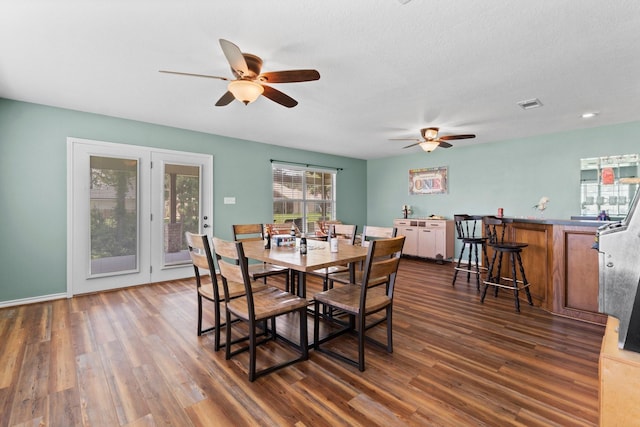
[{"x": 303, "y": 195}]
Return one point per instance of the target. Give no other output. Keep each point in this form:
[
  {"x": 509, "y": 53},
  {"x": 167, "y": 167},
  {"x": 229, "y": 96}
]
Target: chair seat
[
  {"x": 344, "y": 277},
  {"x": 236, "y": 289},
  {"x": 474, "y": 239},
  {"x": 347, "y": 298},
  {"x": 268, "y": 302},
  {"x": 508, "y": 246}
]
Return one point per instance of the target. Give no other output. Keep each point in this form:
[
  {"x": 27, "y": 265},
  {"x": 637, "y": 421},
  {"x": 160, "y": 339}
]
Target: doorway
[{"x": 128, "y": 210}]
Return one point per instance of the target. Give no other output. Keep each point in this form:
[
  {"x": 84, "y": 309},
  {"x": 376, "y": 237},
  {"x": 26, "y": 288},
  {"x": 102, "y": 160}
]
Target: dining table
[{"x": 318, "y": 256}]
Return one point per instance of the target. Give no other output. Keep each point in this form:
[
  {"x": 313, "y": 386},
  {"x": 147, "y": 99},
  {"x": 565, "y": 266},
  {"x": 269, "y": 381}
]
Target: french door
[{"x": 128, "y": 209}]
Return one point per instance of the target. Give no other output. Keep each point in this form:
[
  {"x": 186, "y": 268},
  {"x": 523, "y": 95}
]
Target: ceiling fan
[
  {"x": 249, "y": 83},
  {"x": 430, "y": 140}
]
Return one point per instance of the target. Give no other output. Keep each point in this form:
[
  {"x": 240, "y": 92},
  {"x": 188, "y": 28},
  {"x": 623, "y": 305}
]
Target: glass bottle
[
  {"x": 333, "y": 240},
  {"x": 303, "y": 244},
  {"x": 267, "y": 239}
]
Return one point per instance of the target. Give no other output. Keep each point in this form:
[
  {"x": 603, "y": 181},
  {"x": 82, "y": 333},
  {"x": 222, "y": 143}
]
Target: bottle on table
[
  {"x": 333, "y": 240},
  {"x": 303, "y": 244},
  {"x": 267, "y": 239}
]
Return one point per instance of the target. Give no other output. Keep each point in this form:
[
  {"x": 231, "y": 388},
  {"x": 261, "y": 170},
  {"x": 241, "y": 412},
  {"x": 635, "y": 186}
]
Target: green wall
[
  {"x": 512, "y": 175},
  {"x": 33, "y": 196},
  {"x": 33, "y": 171}
]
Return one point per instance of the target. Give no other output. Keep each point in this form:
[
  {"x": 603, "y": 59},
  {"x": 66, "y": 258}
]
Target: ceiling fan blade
[
  {"x": 193, "y": 75},
  {"x": 412, "y": 145},
  {"x": 444, "y": 144},
  {"x": 281, "y": 98},
  {"x": 225, "y": 99},
  {"x": 452, "y": 137},
  {"x": 235, "y": 57},
  {"x": 290, "y": 76}
]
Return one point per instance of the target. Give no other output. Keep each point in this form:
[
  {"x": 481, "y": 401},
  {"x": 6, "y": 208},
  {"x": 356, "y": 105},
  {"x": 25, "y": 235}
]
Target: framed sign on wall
[{"x": 428, "y": 180}]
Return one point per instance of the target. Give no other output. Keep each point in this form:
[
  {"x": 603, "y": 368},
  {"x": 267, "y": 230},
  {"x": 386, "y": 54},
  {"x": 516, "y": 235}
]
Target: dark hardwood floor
[{"x": 132, "y": 358}]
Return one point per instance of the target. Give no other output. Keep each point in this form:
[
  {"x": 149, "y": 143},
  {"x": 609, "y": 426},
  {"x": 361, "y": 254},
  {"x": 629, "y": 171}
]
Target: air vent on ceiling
[{"x": 530, "y": 103}]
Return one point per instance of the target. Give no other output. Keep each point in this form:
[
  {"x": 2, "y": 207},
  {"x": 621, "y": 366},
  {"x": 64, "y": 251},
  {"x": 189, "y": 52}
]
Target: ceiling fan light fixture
[
  {"x": 245, "y": 91},
  {"x": 431, "y": 133},
  {"x": 429, "y": 146}
]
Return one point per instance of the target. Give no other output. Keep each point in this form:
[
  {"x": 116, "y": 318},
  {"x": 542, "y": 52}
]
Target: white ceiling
[{"x": 387, "y": 69}]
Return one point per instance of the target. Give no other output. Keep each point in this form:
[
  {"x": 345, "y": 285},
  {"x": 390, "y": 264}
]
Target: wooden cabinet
[
  {"x": 427, "y": 238},
  {"x": 561, "y": 266}
]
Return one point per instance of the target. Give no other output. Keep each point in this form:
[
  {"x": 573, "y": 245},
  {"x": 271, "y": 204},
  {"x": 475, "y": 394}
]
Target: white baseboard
[{"x": 32, "y": 300}]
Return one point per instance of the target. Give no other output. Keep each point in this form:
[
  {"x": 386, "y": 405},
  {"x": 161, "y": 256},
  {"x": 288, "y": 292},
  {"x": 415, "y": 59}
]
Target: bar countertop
[{"x": 552, "y": 221}]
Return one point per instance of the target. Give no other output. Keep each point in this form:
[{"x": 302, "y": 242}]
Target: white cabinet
[
  {"x": 411, "y": 236},
  {"x": 427, "y": 238}
]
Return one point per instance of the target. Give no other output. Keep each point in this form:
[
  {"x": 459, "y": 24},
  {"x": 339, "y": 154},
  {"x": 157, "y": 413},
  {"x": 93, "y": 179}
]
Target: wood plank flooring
[{"x": 132, "y": 358}]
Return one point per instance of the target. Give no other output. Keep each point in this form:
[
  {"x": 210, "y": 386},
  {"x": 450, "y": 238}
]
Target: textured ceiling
[{"x": 387, "y": 69}]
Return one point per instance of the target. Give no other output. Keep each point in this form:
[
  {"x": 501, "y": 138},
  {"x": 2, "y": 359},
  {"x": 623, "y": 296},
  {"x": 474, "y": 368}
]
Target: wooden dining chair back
[
  {"x": 208, "y": 288},
  {"x": 256, "y": 308},
  {"x": 346, "y": 233},
  {"x": 360, "y": 302},
  {"x": 257, "y": 271},
  {"x": 370, "y": 233},
  {"x": 284, "y": 228}
]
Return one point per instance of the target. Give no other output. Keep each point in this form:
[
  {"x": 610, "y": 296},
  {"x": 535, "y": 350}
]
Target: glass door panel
[
  {"x": 113, "y": 204},
  {"x": 181, "y": 210}
]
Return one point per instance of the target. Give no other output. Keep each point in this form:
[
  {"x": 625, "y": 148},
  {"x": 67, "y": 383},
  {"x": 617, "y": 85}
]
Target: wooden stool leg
[
  {"x": 455, "y": 270},
  {"x": 498, "y": 277},
  {"x": 512, "y": 258},
  {"x": 475, "y": 248},
  {"x": 524, "y": 280},
  {"x": 469, "y": 262}
]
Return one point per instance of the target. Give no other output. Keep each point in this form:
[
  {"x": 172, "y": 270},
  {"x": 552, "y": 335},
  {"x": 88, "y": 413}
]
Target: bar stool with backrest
[
  {"x": 495, "y": 230},
  {"x": 250, "y": 232},
  {"x": 469, "y": 233},
  {"x": 202, "y": 259},
  {"x": 256, "y": 308}
]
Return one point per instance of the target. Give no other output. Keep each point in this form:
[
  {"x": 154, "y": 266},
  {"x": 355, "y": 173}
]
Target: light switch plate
[{"x": 229, "y": 200}]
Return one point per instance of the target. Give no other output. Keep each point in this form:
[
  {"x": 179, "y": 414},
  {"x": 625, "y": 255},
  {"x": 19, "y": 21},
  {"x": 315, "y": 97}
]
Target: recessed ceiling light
[
  {"x": 589, "y": 115},
  {"x": 530, "y": 103}
]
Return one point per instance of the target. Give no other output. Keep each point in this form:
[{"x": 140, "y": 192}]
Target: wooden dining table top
[{"x": 318, "y": 255}]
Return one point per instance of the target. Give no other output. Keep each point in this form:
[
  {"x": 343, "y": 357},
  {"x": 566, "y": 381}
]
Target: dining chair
[
  {"x": 256, "y": 307},
  {"x": 347, "y": 233},
  {"x": 360, "y": 302},
  {"x": 250, "y": 232},
  {"x": 369, "y": 234},
  {"x": 203, "y": 265}
]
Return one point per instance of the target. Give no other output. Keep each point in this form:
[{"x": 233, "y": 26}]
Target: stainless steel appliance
[{"x": 619, "y": 247}]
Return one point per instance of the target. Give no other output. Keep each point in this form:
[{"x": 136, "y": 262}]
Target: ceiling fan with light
[
  {"x": 249, "y": 82},
  {"x": 430, "y": 140}
]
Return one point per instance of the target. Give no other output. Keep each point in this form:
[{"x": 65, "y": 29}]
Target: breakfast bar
[{"x": 561, "y": 265}]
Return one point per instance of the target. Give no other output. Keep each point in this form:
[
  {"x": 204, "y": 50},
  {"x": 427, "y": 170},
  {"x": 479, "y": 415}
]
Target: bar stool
[
  {"x": 466, "y": 228},
  {"x": 513, "y": 251}
]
